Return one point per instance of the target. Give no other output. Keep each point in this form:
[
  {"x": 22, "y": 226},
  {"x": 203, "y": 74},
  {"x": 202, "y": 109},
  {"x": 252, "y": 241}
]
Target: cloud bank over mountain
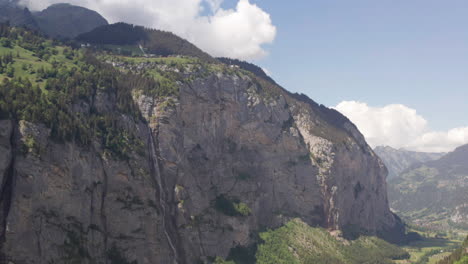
[
  {"x": 239, "y": 33},
  {"x": 399, "y": 126}
]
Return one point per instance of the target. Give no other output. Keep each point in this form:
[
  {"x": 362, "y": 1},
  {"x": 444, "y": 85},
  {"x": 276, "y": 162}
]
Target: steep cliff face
[
  {"x": 226, "y": 137},
  {"x": 61, "y": 203},
  {"x": 227, "y": 155}
]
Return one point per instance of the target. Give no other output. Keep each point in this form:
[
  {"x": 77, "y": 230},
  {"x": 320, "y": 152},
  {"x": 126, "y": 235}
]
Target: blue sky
[{"x": 379, "y": 52}]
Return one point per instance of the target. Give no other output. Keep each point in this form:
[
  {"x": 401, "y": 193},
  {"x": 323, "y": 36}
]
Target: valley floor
[{"x": 429, "y": 250}]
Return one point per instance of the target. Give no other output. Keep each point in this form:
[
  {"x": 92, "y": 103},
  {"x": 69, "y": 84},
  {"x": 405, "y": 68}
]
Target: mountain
[
  {"x": 434, "y": 194},
  {"x": 68, "y": 21},
  {"x": 153, "y": 41},
  {"x": 9, "y": 2},
  {"x": 116, "y": 159},
  {"x": 397, "y": 160},
  {"x": 58, "y": 20},
  {"x": 16, "y": 15}
]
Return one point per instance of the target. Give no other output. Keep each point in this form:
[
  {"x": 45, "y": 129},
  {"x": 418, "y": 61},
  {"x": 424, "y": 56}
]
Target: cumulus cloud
[
  {"x": 215, "y": 4},
  {"x": 239, "y": 33},
  {"x": 399, "y": 126}
]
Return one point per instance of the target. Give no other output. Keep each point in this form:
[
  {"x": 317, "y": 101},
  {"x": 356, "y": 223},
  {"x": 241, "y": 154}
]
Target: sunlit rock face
[{"x": 229, "y": 156}]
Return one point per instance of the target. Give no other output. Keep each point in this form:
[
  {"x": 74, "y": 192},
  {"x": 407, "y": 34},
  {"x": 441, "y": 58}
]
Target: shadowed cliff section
[{"x": 8, "y": 177}]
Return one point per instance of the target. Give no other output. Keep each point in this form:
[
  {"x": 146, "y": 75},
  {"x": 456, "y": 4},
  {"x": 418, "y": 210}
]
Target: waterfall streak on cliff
[{"x": 162, "y": 202}]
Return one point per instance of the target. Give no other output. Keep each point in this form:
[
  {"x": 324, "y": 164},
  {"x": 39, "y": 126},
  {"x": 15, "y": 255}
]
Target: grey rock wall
[{"x": 222, "y": 161}]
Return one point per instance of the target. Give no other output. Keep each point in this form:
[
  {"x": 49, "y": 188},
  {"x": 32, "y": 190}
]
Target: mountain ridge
[
  {"x": 68, "y": 21},
  {"x": 434, "y": 193},
  {"x": 154, "y": 42},
  {"x": 58, "y": 20},
  {"x": 16, "y": 15},
  {"x": 399, "y": 160}
]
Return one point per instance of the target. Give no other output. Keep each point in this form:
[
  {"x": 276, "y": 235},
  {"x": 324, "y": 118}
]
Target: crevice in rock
[
  {"x": 6, "y": 191},
  {"x": 38, "y": 238},
  {"x": 168, "y": 220},
  {"x": 91, "y": 216},
  {"x": 328, "y": 206},
  {"x": 102, "y": 210},
  {"x": 200, "y": 241}
]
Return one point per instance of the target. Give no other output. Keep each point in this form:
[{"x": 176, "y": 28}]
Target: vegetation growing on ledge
[
  {"x": 297, "y": 243},
  {"x": 219, "y": 260},
  {"x": 168, "y": 73},
  {"x": 29, "y": 144},
  {"x": 231, "y": 206},
  {"x": 248, "y": 67}
]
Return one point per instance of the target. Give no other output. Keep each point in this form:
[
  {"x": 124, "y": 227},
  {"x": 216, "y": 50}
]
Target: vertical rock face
[
  {"x": 227, "y": 157},
  {"x": 61, "y": 202},
  {"x": 283, "y": 156}
]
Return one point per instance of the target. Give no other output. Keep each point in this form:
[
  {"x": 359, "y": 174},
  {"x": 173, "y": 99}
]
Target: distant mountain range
[
  {"x": 397, "y": 160},
  {"x": 59, "y": 20},
  {"x": 434, "y": 193}
]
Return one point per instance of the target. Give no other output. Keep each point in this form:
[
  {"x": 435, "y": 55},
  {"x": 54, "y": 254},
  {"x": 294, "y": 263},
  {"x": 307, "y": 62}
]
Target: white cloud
[
  {"x": 214, "y": 4},
  {"x": 399, "y": 126},
  {"x": 238, "y": 33}
]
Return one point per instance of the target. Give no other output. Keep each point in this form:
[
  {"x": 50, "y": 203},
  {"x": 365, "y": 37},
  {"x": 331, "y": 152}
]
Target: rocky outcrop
[
  {"x": 230, "y": 155},
  {"x": 460, "y": 215}
]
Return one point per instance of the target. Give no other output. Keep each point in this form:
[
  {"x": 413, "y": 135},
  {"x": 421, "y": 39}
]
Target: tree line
[{"x": 58, "y": 104}]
